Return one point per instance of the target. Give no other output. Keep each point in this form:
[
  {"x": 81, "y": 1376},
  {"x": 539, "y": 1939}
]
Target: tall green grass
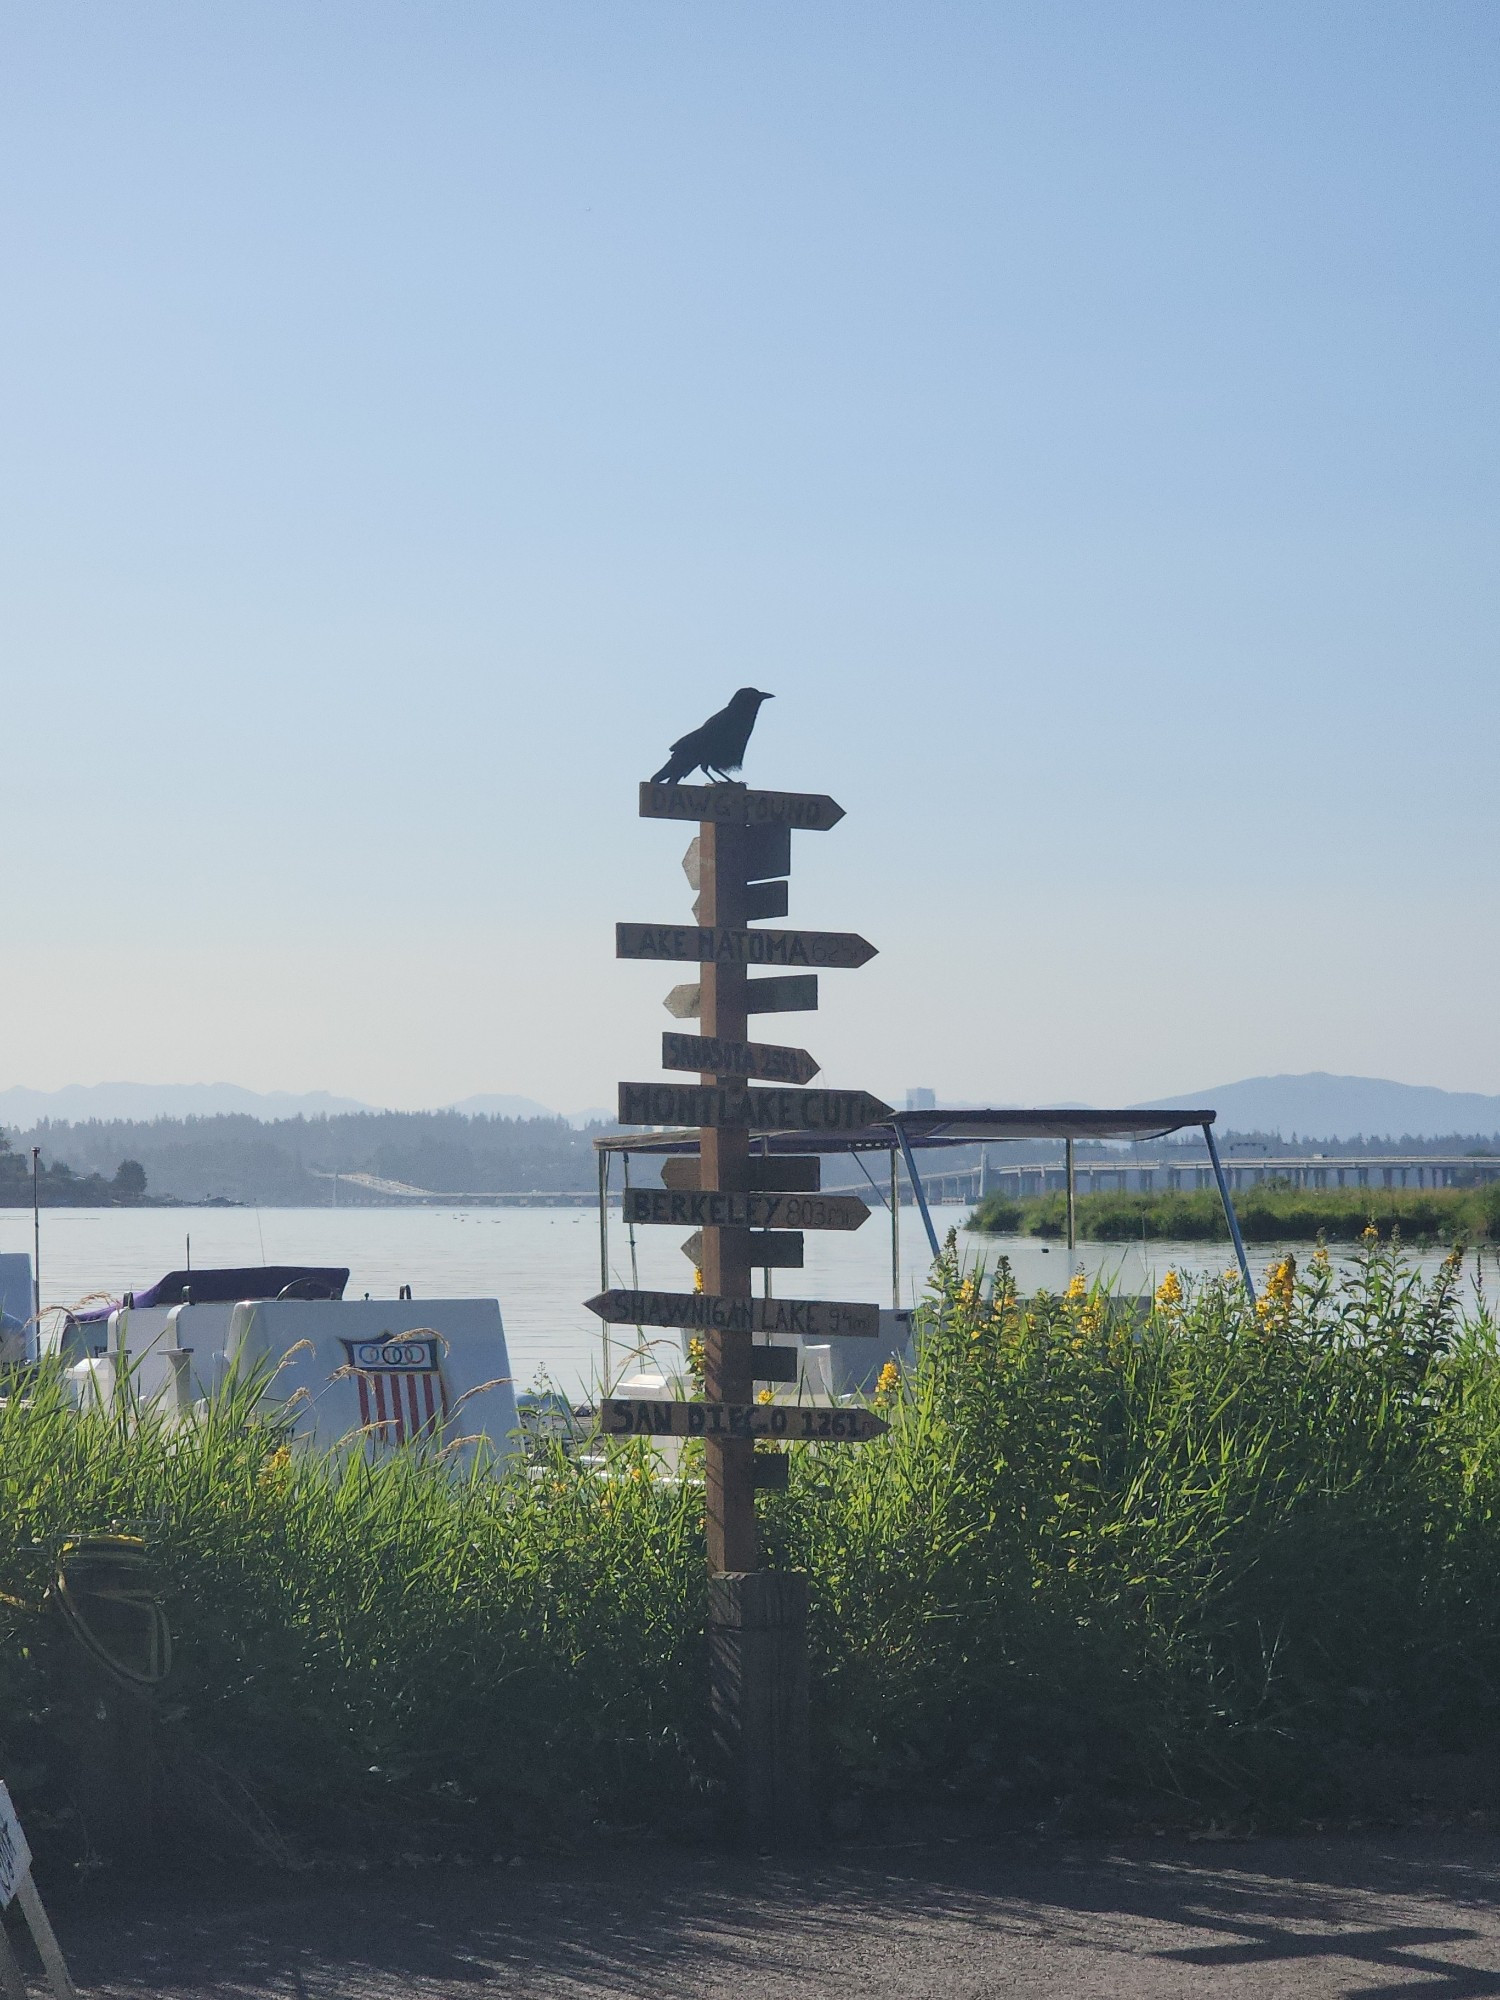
[{"x": 1214, "y": 1553}]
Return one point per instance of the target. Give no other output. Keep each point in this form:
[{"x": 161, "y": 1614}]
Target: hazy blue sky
[{"x": 1083, "y": 417}]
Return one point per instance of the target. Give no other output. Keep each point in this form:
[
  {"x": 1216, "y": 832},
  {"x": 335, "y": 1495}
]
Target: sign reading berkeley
[{"x": 730, "y": 1209}]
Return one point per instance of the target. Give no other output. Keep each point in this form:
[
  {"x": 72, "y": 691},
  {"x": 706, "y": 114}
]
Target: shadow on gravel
[{"x": 1365, "y": 1918}]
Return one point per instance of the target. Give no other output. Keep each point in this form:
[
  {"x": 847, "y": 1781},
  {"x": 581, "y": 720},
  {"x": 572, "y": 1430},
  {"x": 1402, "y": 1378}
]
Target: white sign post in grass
[{"x": 16, "y": 1884}]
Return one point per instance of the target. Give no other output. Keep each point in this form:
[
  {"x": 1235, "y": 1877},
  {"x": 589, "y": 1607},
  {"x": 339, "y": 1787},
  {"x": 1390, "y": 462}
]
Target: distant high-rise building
[{"x": 921, "y": 1099}]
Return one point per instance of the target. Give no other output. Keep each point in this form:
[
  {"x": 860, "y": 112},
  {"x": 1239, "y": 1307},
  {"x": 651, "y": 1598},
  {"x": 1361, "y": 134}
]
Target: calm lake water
[{"x": 540, "y": 1263}]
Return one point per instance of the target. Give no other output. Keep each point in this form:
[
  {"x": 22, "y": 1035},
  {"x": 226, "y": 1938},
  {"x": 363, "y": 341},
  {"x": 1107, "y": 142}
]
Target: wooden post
[
  {"x": 757, "y": 1620},
  {"x": 757, "y": 1638},
  {"x": 724, "y": 1155}
]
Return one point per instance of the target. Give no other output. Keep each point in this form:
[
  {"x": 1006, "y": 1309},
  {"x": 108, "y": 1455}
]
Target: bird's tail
[{"x": 670, "y": 773}]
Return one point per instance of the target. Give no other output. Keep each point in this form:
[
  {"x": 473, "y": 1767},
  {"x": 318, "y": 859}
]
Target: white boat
[{"x": 374, "y": 1373}]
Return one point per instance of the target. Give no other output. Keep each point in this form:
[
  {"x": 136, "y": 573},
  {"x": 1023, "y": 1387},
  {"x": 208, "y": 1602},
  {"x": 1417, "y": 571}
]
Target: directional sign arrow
[
  {"x": 739, "y": 1104},
  {"x": 767, "y": 853},
  {"x": 710, "y": 1054},
  {"x": 797, "y": 994},
  {"x": 793, "y": 1423},
  {"x": 770, "y": 1250},
  {"x": 723, "y": 1209},
  {"x": 709, "y": 944},
  {"x": 707, "y": 1312},
  {"x": 737, "y": 805}
]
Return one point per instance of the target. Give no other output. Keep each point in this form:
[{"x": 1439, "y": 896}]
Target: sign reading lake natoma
[{"x": 708, "y": 944}]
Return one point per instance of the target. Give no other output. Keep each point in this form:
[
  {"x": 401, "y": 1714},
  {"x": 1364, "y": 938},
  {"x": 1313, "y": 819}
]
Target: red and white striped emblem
[{"x": 401, "y": 1389}]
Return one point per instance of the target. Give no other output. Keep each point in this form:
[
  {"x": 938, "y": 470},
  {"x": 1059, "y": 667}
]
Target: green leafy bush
[{"x": 1213, "y": 1552}]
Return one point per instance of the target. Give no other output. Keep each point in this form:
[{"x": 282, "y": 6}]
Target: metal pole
[
  {"x": 895, "y": 1232},
  {"x": 36, "y": 1250},
  {"x": 1229, "y": 1215},
  {"x": 916, "y": 1187},
  {"x": 604, "y": 1251},
  {"x": 1072, "y": 1202}
]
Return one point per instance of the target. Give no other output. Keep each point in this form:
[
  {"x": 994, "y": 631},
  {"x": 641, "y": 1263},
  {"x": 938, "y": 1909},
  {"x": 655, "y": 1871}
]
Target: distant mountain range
[
  {"x": 78, "y": 1102},
  {"x": 1320, "y": 1106}
]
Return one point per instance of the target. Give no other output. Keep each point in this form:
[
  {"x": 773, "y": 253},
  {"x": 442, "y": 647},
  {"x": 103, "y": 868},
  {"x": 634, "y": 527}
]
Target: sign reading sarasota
[{"x": 712, "y": 1055}]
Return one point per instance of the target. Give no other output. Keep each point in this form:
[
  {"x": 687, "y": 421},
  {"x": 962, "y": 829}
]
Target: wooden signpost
[{"x": 747, "y": 1211}]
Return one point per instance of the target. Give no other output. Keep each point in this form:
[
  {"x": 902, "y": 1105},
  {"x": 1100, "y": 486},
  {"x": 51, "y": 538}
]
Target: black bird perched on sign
[{"x": 718, "y": 745}]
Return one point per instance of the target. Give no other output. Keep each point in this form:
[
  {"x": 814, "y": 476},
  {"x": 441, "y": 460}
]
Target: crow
[{"x": 718, "y": 745}]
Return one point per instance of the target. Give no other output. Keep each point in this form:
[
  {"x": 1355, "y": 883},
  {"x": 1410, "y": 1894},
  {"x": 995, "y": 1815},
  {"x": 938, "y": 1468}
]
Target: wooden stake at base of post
[{"x": 757, "y": 1648}]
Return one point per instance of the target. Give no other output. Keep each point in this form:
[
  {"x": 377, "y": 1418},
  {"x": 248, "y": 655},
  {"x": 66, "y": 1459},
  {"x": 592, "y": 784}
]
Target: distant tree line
[
  {"x": 289, "y": 1162},
  {"x": 58, "y": 1185}
]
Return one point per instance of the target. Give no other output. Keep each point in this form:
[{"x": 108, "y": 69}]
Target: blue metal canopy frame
[{"x": 908, "y": 1132}]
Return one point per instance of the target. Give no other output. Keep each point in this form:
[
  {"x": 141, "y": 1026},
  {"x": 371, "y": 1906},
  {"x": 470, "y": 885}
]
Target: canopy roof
[{"x": 935, "y": 1128}]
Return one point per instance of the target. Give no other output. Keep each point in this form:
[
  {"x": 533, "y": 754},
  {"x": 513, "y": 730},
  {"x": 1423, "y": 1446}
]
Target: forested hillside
[{"x": 287, "y": 1162}]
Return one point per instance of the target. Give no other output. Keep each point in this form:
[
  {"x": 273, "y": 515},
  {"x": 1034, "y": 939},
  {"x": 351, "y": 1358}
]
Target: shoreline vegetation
[
  {"x": 57, "y": 1186},
  {"x": 1269, "y": 1212},
  {"x": 299, "y": 1162},
  {"x": 1224, "y": 1565}
]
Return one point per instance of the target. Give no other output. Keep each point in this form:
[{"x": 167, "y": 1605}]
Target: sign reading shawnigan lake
[
  {"x": 739, "y": 1104},
  {"x": 723, "y": 1209},
  {"x": 737, "y": 805},
  {"x": 707, "y": 1312},
  {"x": 708, "y": 944},
  {"x": 797, "y": 1423},
  {"x": 716, "y": 1057}
]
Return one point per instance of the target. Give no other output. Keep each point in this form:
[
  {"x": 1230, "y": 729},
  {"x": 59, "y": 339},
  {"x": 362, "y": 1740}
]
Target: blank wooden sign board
[
  {"x": 16, "y": 1885},
  {"x": 747, "y": 1213}
]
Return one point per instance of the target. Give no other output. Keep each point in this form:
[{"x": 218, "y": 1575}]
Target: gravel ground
[{"x": 1367, "y": 1915}]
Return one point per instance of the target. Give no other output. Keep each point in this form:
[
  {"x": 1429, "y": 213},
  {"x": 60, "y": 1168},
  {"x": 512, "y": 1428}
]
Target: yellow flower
[
  {"x": 697, "y": 1277},
  {"x": 1279, "y": 1289},
  {"x": 697, "y": 1358},
  {"x": 1169, "y": 1292},
  {"x": 274, "y": 1471},
  {"x": 887, "y": 1382},
  {"x": 766, "y": 1396},
  {"x": 1370, "y": 1233},
  {"x": 1320, "y": 1258},
  {"x": 1078, "y": 1287}
]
